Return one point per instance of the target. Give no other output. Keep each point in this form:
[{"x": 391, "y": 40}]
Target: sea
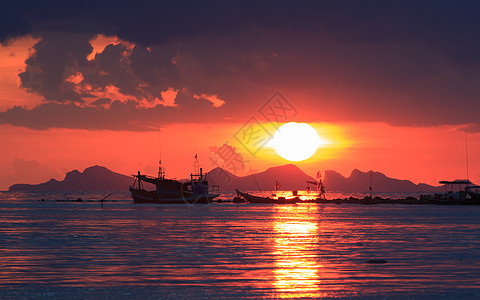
[{"x": 54, "y": 248}]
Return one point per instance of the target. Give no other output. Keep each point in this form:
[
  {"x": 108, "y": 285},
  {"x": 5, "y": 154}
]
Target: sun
[{"x": 295, "y": 141}]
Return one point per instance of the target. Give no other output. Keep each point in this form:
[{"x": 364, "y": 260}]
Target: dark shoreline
[
  {"x": 372, "y": 201},
  {"x": 408, "y": 200},
  {"x": 350, "y": 200}
]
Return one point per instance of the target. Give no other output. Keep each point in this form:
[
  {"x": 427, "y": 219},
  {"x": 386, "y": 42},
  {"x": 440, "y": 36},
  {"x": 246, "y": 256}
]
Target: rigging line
[
  {"x": 256, "y": 182},
  {"x": 159, "y": 145}
]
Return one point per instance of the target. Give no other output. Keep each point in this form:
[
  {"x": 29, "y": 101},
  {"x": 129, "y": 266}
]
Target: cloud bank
[{"x": 405, "y": 63}]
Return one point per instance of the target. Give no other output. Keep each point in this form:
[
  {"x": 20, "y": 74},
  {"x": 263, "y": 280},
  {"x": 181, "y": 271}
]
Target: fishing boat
[{"x": 172, "y": 191}]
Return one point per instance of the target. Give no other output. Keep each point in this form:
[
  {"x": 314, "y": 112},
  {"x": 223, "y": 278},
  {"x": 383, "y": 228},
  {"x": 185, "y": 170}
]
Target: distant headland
[{"x": 95, "y": 178}]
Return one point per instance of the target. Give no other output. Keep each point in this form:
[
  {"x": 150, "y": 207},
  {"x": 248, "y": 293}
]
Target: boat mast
[
  {"x": 196, "y": 165},
  {"x": 320, "y": 186},
  {"x": 466, "y": 153},
  {"x": 370, "y": 187},
  {"x": 161, "y": 170},
  {"x": 277, "y": 186}
]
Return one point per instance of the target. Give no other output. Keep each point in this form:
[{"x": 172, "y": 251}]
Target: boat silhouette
[{"x": 172, "y": 191}]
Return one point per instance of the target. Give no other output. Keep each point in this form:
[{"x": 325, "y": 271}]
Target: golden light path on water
[{"x": 296, "y": 273}]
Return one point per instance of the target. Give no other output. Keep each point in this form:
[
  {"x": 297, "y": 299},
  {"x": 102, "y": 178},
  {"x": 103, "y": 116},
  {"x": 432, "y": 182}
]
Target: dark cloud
[
  {"x": 440, "y": 23},
  {"x": 56, "y": 58},
  {"x": 405, "y": 62},
  {"x": 12, "y": 22},
  {"x": 374, "y": 20},
  {"x": 107, "y": 114}
]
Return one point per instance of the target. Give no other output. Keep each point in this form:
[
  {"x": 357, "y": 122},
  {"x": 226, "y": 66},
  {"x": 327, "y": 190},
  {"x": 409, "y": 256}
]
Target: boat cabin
[{"x": 454, "y": 190}]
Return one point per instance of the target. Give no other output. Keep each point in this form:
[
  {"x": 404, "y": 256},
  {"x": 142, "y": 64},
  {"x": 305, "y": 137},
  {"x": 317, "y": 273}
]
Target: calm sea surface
[{"x": 79, "y": 250}]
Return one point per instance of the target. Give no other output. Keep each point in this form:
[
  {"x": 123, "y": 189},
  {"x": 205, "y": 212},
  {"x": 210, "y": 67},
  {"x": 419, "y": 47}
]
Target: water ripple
[{"x": 301, "y": 251}]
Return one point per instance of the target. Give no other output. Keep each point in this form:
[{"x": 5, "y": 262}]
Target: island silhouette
[{"x": 291, "y": 177}]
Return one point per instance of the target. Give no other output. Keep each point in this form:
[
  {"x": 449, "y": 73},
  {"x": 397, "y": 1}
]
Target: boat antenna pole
[{"x": 256, "y": 181}]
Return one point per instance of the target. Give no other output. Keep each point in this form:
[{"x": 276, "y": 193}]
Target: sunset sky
[{"x": 390, "y": 86}]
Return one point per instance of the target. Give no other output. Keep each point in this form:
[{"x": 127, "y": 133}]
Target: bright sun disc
[{"x": 296, "y": 141}]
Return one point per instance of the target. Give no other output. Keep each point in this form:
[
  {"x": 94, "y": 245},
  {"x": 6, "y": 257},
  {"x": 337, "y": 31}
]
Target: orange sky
[
  {"x": 421, "y": 154},
  {"x": 418, "y": 154},
  {"x": 12, "y": 58}
]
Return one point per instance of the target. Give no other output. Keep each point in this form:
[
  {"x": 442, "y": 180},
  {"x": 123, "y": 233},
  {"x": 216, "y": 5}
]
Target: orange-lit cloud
[
  {"x": 75, "y": 78},
  {"x": 99, "y": 42},
  {"x": 217, "y": 102},
  {"x": 169, "y": 96},
  {"x": 98, "y": 73}
]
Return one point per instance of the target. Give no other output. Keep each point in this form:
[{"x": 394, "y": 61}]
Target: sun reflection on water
[{"x": 296, "y": 264}]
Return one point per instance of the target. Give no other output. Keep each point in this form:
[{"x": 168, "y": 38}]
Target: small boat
[
  {"x": 257, "y": 199},
  {"x": 295, "y": 198},
  {"x": 171, "y": 191},
  {"x": 456, "y": 192}
]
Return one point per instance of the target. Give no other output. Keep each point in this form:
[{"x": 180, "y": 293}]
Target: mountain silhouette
[
  {"x": 95, "y": 178},
  {"x": 289, "y": 176},
  {"x": 359, "y": 181},
  {"x": 293, "y": 178}
]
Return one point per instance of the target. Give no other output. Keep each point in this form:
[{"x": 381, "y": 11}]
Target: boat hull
[
  {"x": 426, "y": 199},
  {"x": 256, "y": 199}
]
